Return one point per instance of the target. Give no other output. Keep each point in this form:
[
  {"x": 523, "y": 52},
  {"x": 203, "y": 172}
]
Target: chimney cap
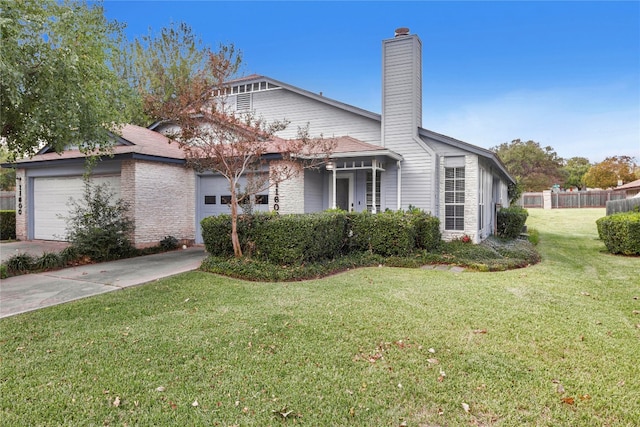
[{"x": 402, "y": 31}]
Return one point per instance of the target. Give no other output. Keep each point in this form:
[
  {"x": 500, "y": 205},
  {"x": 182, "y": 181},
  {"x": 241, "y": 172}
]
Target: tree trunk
[{"x": 237, "y": 250}]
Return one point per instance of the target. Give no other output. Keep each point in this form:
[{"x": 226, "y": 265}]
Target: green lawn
[{"x": 555, "y": 344}]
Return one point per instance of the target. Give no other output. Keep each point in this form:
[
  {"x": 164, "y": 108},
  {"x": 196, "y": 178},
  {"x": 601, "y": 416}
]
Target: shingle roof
[
  {"x": 133, "y": 140},
  {"x": 629, "y": 185}
]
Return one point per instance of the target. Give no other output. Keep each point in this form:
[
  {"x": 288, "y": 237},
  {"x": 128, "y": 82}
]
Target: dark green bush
[
  {"x": 510, "y": 221},
  {"x": 48, "y": 261},
  {"x": 387, "y": 233},
  {"x": 98, "y": 225},
  {"x": 20, "y": 263},
  {"x": 216, "y": 233},
  {"x": 68, "y": 255},
  {"x": 169, "y": 243},
  {"x": 7, "y": 224},
  {"x": 427, "y": 230},
  {"x": 291, "y": 239},
  {"x": 620, "y": 233}
]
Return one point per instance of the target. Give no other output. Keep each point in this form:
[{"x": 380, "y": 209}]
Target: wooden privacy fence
[
  {"x": 626, "y": 205},
  {"x": 531, "y": 200},
  {"x": 569, "y": 199}
]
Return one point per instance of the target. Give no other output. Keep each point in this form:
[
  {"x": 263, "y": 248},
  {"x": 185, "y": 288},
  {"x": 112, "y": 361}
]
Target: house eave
[
  {"x": 490, "y": 155},
  {"x": 81, "y": 159}
]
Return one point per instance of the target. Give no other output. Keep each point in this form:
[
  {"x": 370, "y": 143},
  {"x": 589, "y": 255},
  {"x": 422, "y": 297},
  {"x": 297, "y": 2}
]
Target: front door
[{"x": 344, "y": 192}]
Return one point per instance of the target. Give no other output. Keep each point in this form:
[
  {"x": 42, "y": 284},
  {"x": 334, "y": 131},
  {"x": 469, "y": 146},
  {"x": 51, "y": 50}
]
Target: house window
[
  {"x": 225, "y": 200},
  {"x": 454, "y": 198},
  {"x": 209, "y": 200},
  {"x": 262, "y": 199},
  {"x": 370, "y": 193}
]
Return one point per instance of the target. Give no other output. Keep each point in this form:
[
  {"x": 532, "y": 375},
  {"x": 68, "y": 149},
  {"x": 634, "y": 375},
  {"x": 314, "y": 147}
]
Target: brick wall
[
  {"x": 162, "y": 200},
  {"x": 470, "y": 201},
  {"x": 290, "y": 197}
]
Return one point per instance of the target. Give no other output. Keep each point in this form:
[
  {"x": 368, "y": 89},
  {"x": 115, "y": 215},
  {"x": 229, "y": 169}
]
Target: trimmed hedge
[
  {"x": 510, "y": 221},
  {"x": 621, "y": 233},
  {"x": 428, "y": 235},
  {"x": 7, "y": 224},
  {"x": 280, "y": 239},
  {"x": 385, "y": 233},
  {"x": 295, "y": 239}
]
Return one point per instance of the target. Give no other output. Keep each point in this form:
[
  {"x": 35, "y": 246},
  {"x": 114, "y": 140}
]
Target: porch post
[
  {"x": 374, "y": 168},
  {"x": 399, "y": 189},
  {"x": 332, "y": 167}
]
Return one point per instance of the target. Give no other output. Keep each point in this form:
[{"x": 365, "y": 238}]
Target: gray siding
[
  {"x": 281, "y": 104},
  {"x": 401, "y": 117},
  {"x": 418, "y": 170},
  {"x": 313, "y": 191},
  {"x": 401, "y": 91}
]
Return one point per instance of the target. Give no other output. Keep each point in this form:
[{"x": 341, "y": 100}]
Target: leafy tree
[
  {"x": 575, "y": 169},
  {"x": 57, "y": 82},
  {"x": 534, "y": 167},
  {"x": 170, "y": 71},
  {"x": 607, "y": 173},
  {"x": 7, "y": 175},
  {"x": 185, "y": 84}
]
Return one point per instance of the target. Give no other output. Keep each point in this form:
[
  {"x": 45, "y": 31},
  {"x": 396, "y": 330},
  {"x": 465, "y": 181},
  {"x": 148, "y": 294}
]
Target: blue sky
[{"x": 564, "y": 74}]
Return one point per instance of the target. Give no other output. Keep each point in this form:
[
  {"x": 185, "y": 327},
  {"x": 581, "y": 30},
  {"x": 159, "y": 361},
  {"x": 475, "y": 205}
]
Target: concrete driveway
[{"x": 33, "y": 291}]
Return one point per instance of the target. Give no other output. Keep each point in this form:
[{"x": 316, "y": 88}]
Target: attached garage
[
  {"x": 214, "y": 198},
  {"x": 51, "y": 197}
]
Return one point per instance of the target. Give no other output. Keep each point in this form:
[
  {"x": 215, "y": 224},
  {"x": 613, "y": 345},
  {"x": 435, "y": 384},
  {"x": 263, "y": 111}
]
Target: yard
[{"x": 555, "y": 344}]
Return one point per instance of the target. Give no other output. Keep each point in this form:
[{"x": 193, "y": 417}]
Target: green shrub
[
  {"x": 169, "y": 243},
  {"x": 510, "y": 221},
  {"x": 427, "y": 230},
  {"x": 48, "y": 261},
  {"x": 68, "y": 255},
  {"x": 386, "y": 233},
  {"x": 20, "y": 263},
  {"x": 7, "y": 224},
  {"x": 98, "y": 225},
  {"x": 291, "y": 239},
  {"x": 620, "y": 233},
  {"x": 216, "y": 235},
  {"x": 4, "y": 273}
]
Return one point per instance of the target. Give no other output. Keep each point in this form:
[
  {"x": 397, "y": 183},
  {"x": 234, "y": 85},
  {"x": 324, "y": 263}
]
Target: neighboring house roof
[
  {"x": 633, "y": 185},
  {"x": 133, "y": 142}
]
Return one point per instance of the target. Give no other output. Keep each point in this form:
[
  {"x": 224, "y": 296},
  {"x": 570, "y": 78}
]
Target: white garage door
[
  {"x": 51, "y": 198},
  {"x": 214, "y": 198}
]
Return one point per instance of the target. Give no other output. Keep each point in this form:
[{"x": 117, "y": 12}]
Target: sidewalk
[{"x": 33, "y": 291}]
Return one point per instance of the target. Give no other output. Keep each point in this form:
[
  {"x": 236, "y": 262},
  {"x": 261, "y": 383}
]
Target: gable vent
[{"x": 243, "y": 102}]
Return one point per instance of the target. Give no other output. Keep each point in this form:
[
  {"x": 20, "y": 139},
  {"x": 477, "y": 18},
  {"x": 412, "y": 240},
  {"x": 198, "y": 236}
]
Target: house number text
[{"x": 276, "y": 200}]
